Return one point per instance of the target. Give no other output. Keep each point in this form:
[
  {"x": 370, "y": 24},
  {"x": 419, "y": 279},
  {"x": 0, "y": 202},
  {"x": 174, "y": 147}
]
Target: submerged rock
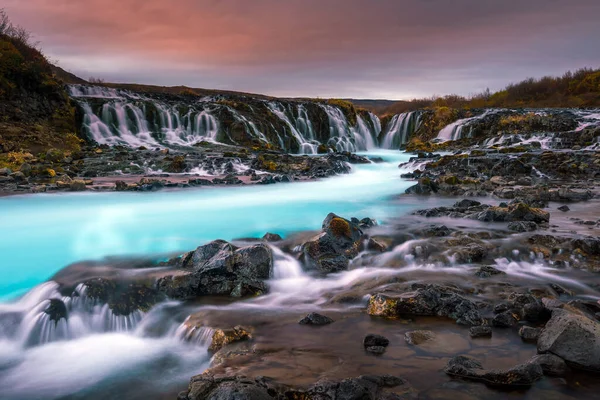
[
  {"x": 418, "y": 337},
  {"x": 573, "y": 337},
  {"x": 529, "y": 334},
  {"x": 375, "y": 340},
  {"x": 480, "y": 331},
  {"x": 223, "y": 337},
  {"x": 315, "y": 319},
  {"x": 488, "y": 271},
  {"x": 551, "y": 365},
  {"x": 520, "y": 375}
]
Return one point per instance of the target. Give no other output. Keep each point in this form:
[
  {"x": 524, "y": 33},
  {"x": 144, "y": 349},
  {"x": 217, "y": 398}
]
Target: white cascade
[{"x": 399, "y": 129}]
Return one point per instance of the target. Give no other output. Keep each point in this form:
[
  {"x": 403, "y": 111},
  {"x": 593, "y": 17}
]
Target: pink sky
[{"x": 328, "y": 48}]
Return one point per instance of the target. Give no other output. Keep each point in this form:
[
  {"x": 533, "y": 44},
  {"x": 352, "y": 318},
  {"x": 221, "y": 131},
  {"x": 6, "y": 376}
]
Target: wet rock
[
  {"x": 480, "y": 331},
  {"x": 564, "y": 208},
  {"x": 488, "y": 271},
  {"x": 520, "y": 375},
  {"x": 200, "y": 182},
  {"x": 469, "y": 253},
  {"x": 334, "y": 247},
  {"x": 436, "y": 231},
  {"x": 375, "y": 340},
  {"x": 315, "y": 319},
  {"x": 5, "y": 171},
  {"x": 371, "y": 387},
  {"x": 522, "y": 226},
  {"x": 56, "y": 310},
  {"x": 223, "y": 337},
  {"x": 425, "y": 187},
  {"x": 514, "y": 212},
  {"x": 466, "y": 203},
  {"x": 573, "y": 337},
  {"x": 427, "y": 300},
  {"x": 18, "y": 177},
  {"x": 551, "y": 365},
  {"x": 529, "y": 334},
  {"x": 418, "y": 337},
  {"x": 376, "y": 245},
  {"x": 77, "y": 186},
  {"x": 121, "y": 186},
  {"x": 272, "y": 237},
  {"x": 375, "y": 349},
  {"x": 505, "y": 319},
  {"x": 589, "y": 245},
  {"x": 220, "y": 268}
]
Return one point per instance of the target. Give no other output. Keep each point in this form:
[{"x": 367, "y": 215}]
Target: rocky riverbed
[{"x": 447, "y": 302}]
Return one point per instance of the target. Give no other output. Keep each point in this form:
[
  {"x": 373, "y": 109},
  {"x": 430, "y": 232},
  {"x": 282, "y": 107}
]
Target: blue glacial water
[{"x": 43, "y": 233}]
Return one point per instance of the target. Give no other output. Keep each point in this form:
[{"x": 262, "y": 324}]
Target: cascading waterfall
[
  {"x": 399, "y": 129},
  {"x": 120, "y": 117},
  {"x": 301, "y": 129},
  {"x": 344, "y": 137},
  {"x": 456, "y": 130},
  {"x": 125, "y": 119}
]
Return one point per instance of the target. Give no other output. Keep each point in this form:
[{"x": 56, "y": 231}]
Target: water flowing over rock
[
  {"x": 399, "y": 129},
  {"x": 122, "y": 117}
]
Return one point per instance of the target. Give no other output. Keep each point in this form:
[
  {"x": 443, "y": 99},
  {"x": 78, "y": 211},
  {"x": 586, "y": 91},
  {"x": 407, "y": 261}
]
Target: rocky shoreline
[{"x": 104, "y": 168}]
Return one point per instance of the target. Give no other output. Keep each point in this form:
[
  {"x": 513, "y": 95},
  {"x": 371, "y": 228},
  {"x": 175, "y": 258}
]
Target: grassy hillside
[
  {"x": 35, "y": 111},
  {"x": 574, "y": 89}
]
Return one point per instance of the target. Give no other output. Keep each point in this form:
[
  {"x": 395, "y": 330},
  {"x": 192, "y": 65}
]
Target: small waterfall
[
  {"x": 344, "y": 137},
  {"x": 399, "y": 129},
  {"x": 117, "y": 117},
  {"x": 285, "y": 266},
  {"x": 301, "y": 129},
  {"x": 455, "y": 130},
  {"x": 45, "y": 316}
]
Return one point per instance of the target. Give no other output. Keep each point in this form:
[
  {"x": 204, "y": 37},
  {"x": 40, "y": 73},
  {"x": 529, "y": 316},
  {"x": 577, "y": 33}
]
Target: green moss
[
  {"x": 452, "y": 180},
  {"x": 340, "y": 227}
]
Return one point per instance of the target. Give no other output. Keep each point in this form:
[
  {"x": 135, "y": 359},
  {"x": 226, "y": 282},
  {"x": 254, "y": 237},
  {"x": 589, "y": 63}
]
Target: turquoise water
[{"x": 43, "y": 233}]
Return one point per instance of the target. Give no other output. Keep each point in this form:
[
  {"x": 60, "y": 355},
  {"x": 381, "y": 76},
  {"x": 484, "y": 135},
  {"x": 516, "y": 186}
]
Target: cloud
[{"x": 343, "y": 48}]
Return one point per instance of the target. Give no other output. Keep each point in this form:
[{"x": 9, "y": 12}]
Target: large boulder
[
  {"x": 573, "y": 337},
  {"x": 220, "y": 268},
  {"x": 434, "y": 300},
  {"x": 334, "y": 247}
]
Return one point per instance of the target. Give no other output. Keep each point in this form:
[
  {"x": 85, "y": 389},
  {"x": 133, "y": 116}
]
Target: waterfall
[
  {"x": 455, "y": 130},
  {"x": 344, "y": 137},
  {"x": 45, "y": 316},
  {"x": 120, "y": 117},
  {"x": 399, "y": 129},
  {"x": 126, "y": 119},
  {"x": 301, "y": 129}
]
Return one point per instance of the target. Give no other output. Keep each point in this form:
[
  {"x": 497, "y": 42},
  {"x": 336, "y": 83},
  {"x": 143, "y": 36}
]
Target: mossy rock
[{"x": 340, "y": 227}]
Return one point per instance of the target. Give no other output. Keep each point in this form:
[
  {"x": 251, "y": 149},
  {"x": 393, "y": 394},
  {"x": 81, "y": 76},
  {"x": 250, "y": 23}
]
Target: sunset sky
[{"x": 396, "y": 49}]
